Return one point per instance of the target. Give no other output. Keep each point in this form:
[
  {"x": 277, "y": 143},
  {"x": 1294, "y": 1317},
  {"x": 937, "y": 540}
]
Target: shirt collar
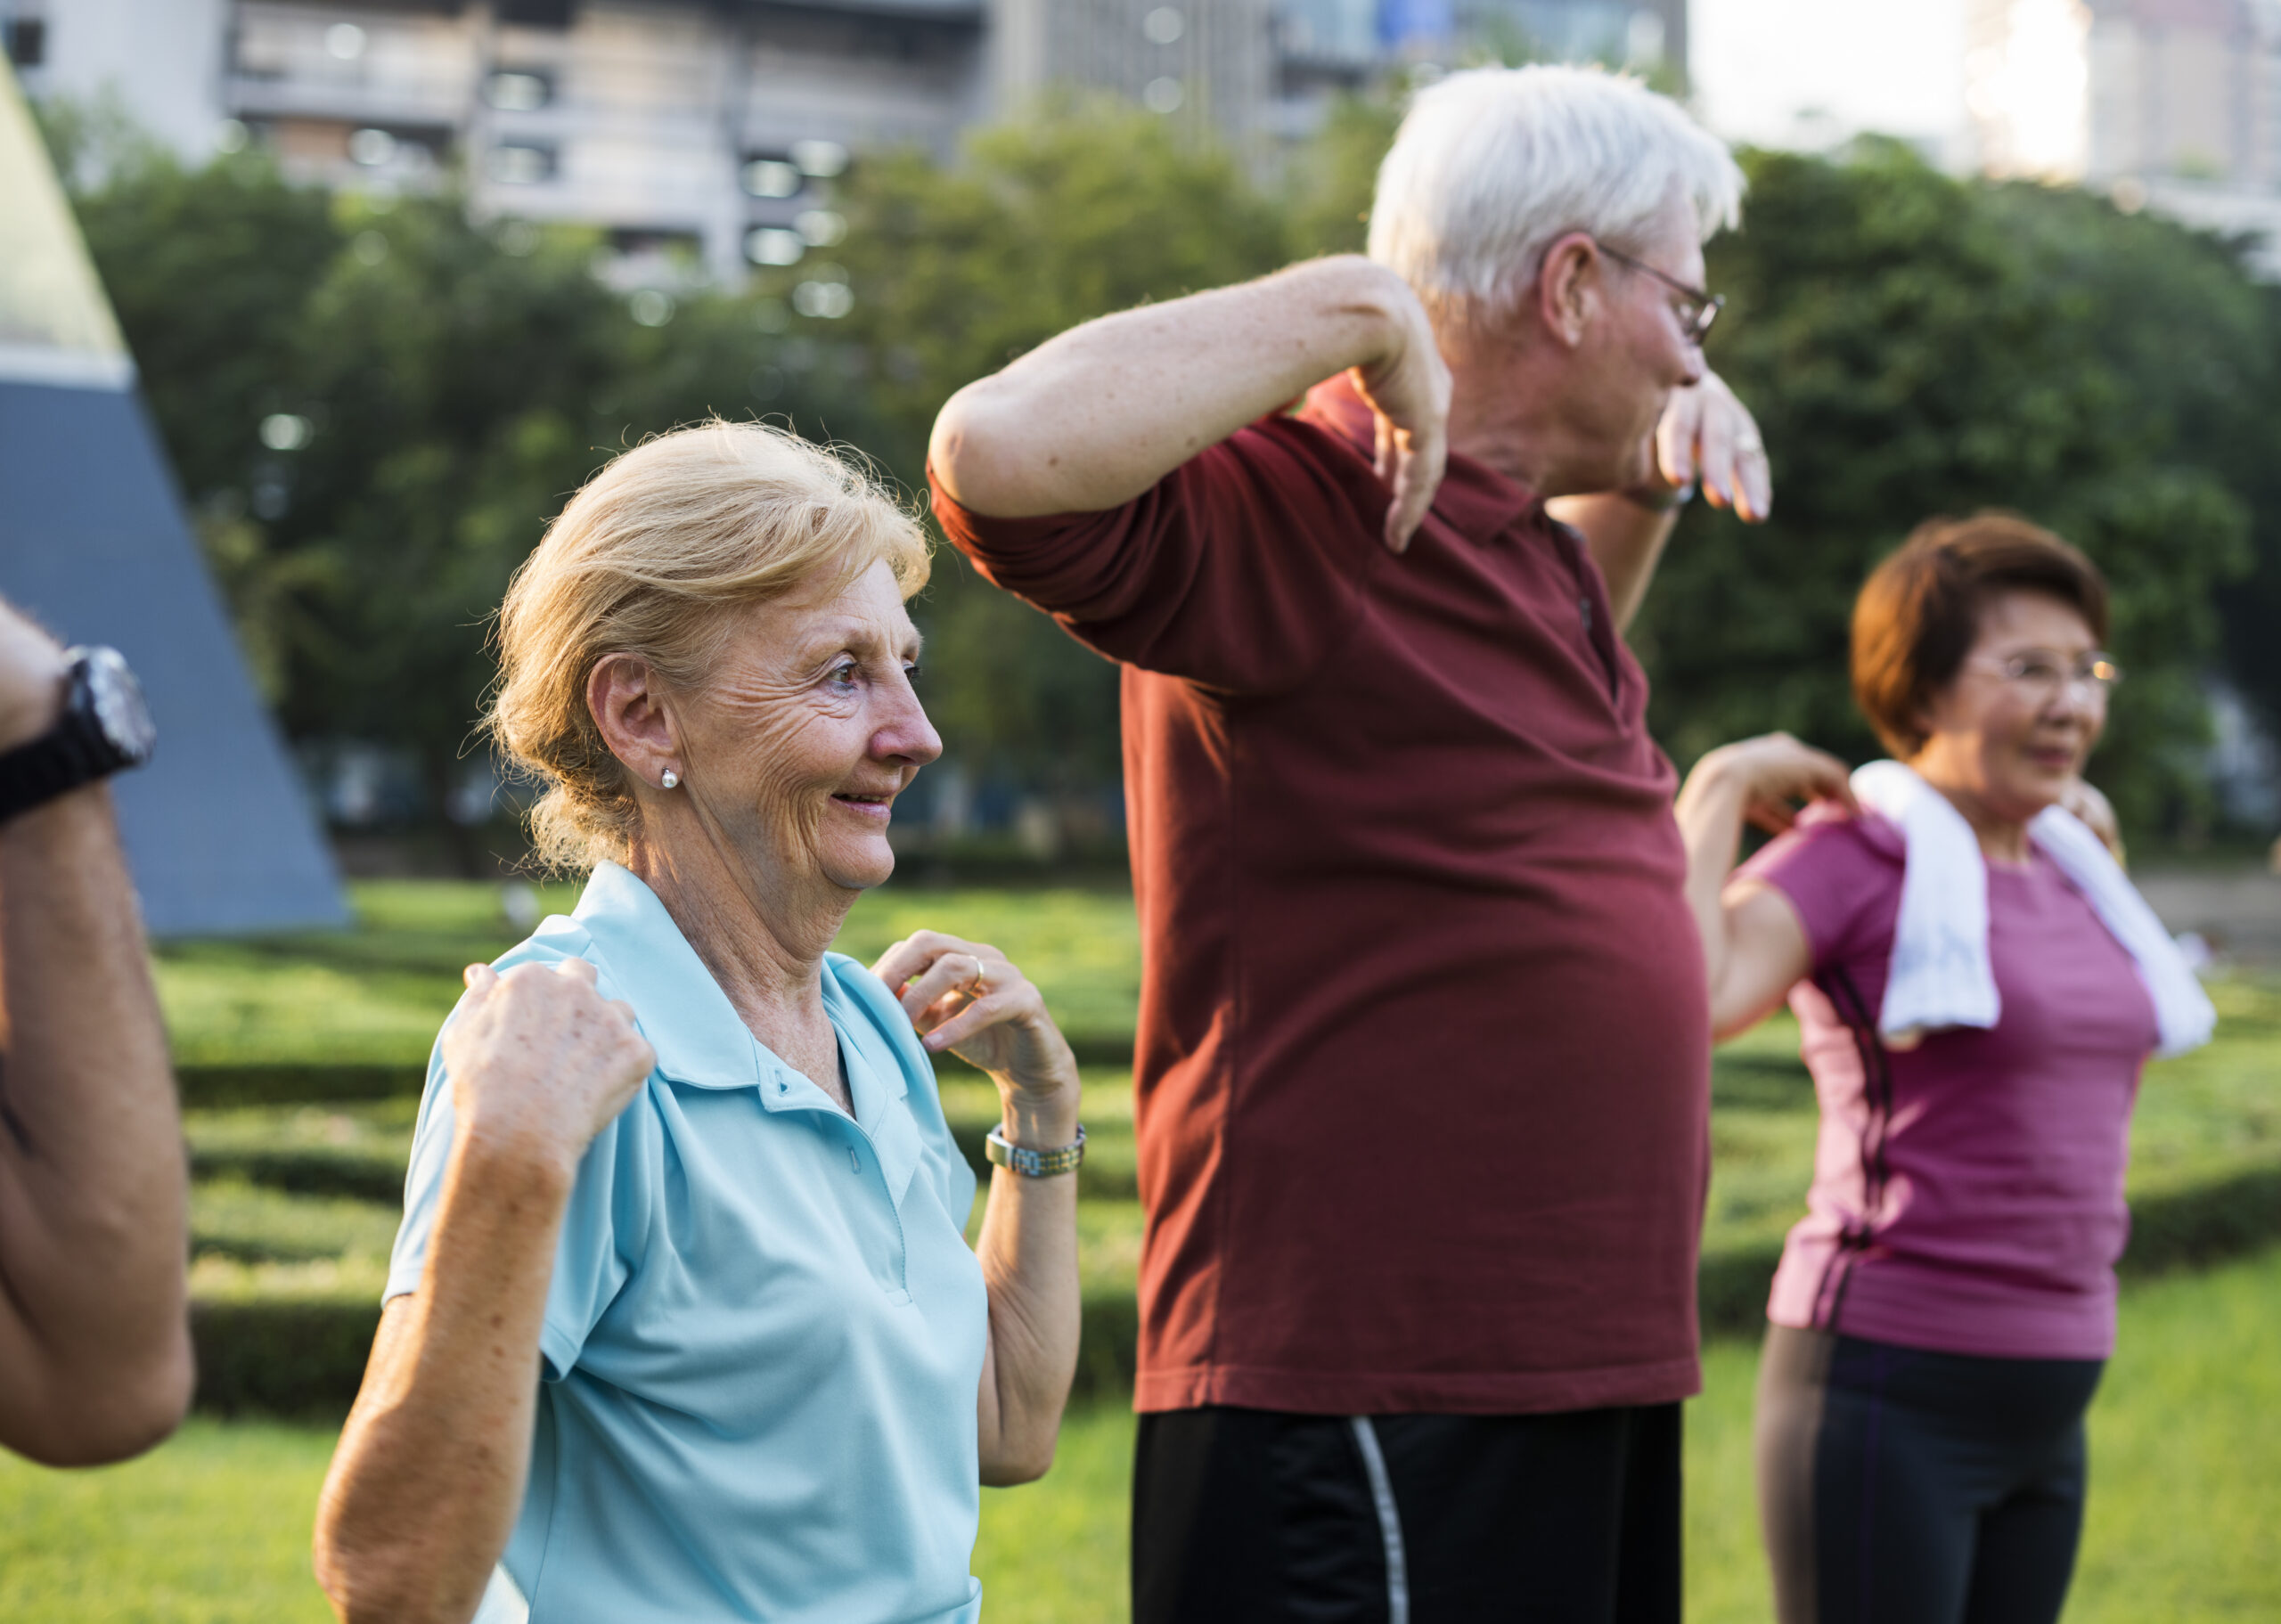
[
  {"x": 697, "y": 1034},
  {"x": 1475, "y": 500}
]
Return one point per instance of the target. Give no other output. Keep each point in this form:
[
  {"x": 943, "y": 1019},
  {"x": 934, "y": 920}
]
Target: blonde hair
[
  {"x": 1493, "y": 165},
  {"x": 650, "y": 559}
]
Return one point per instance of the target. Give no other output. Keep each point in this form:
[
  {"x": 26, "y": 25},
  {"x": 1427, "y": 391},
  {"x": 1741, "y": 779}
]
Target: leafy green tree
[
  {"x": 1913, "y": 344},
  {"x": 1917, "y": 346},
  {"x": 1087, "y": 209},
  {"x": 375, "y": 406}
]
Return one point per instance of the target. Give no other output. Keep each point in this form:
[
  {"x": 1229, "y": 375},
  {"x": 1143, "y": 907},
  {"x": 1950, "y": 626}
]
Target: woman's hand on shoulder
[
  {"x": 2083, "y": 798},
  {"x": 1773, "y": 775},
  {"x": 540, "y": 1061},
  {"x": 970, "y": 998}
]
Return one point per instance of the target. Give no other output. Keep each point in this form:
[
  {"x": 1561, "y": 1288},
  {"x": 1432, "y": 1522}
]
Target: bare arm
[
  {"x": 1094, "y": 418},
  {"x": 1705, "y": 434},
  {"x": 94, "y": 1338},
  {"x": 1754, "y": 949},
  {"x": 428, "y": 1480},
  {"x": 965, "y": 996}
]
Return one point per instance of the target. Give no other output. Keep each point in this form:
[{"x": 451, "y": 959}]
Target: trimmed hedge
[
  {"x": 2202, "y": 1224},
  {"x": 309, "y": 1170},
  {"x": 306, "y": 1356},
  {"x": 283, "y": 1355},
  {"x": 294, "y": 1083},
  {"x": 302, "y": 1355},
  {"x": 316, "y": 1082}
]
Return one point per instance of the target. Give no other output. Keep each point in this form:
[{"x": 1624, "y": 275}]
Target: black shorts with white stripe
[{"x": 1262, "y": 1516}]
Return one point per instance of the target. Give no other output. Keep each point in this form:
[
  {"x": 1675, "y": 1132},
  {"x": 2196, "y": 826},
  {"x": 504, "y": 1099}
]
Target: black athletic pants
[
  {"x": 1901, "y": 1487},
  {"x": 1258, "y": 1517}
]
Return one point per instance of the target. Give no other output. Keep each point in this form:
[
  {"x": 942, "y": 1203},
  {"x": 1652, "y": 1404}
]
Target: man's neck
[{"x": 1504, "y": 413}]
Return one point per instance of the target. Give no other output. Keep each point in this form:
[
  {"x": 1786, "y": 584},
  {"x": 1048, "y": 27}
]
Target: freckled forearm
[
  {"x": 1028, "y": 1250},
  {"x": 1094, "y": 417},
  {"x": 430, "y": 1472}
]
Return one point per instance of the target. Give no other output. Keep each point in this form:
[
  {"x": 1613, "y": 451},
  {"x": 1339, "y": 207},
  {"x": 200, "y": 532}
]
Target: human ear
[
  {"x": 1568, "y": 288},
  {"x": 635, "y": 716}
]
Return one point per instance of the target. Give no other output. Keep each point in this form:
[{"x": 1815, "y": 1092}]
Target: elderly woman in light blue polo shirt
[{"x": 682, "y": 1323}]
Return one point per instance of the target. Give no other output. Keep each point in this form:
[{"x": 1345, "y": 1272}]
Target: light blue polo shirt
[{"x": 764, "y": 1336}]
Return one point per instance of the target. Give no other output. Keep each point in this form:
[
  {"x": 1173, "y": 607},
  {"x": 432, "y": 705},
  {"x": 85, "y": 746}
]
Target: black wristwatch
[{"x": 105, "y": 728}]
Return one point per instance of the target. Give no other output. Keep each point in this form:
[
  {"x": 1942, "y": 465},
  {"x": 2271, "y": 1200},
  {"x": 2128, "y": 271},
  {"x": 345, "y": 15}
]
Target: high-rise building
[
  {"x": 2173, "y": 104},
  {"x": 719, "y": 126}
]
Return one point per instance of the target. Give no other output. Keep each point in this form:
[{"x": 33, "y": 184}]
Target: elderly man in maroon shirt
[{"x": 1422, "y": 1073}]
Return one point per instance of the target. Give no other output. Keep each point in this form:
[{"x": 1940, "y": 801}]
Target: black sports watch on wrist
[{"x": 105, "y": 728}]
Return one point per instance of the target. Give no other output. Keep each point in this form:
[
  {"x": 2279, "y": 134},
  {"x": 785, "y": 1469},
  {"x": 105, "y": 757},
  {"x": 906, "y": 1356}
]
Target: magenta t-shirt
[{"x": 1967, "y": 1194}]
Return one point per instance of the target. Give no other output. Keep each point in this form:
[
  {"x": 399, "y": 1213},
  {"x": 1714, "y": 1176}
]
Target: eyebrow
[{"x": 853, "y": 633}]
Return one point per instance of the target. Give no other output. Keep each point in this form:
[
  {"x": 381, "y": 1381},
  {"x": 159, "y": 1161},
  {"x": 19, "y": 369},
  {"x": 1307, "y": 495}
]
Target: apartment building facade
[{"x": 709, "y": 133}]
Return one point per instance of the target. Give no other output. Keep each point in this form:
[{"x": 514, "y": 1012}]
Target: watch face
[{"x": 118, "y": 706}]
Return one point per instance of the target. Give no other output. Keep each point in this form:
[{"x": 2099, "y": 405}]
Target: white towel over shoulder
[{"x": 1941, "y": 976}]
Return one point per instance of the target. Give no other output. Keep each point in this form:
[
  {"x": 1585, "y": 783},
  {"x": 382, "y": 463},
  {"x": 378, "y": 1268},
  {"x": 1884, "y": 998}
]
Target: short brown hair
[
  {"x": 1918, "y": 614},
  {"x": 648, "y": 559}
]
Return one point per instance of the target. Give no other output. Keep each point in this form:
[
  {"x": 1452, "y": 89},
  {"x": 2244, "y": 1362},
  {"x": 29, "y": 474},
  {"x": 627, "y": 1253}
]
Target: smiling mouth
[{"x": 880, "y": 801}]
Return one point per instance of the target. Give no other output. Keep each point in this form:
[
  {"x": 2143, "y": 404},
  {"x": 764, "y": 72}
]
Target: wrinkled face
[
  {"x": 1638, "y": 350},
  {"x": 2011, "y": 742},
  {"x": 808, "y": 731}
]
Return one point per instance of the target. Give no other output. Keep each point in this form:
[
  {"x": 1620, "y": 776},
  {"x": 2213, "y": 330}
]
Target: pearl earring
[{"x": 672, "y": 780}]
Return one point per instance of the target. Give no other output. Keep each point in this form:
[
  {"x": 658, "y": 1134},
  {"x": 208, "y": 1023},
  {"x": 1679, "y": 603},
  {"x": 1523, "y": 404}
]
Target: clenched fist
[{"x": 541, "y": 1062}]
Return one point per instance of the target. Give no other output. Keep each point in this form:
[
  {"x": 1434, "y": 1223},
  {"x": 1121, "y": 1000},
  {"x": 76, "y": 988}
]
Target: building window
[
  {"x": 512, "y": 90},
  {"x": 536, "y": 13},
  {"x": 769, "y": 176},
  {"x": 522, "y": 165},
  {"x": 772, "y": 245},
  {"x": 27, "y": 40}
]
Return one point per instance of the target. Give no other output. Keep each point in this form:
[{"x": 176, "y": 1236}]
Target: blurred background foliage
[{"x": 375, "y": 406}]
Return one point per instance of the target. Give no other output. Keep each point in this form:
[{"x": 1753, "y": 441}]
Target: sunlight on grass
[
  {"x": 2185, "y": 1491},
  {"x": 212, "y": 1528}
]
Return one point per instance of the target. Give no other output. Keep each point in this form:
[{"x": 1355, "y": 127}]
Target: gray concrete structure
[{"x": 93, "y": 543}]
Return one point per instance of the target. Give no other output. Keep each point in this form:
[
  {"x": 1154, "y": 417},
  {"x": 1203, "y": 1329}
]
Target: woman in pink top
[{"x": 1941, "y": 1314}]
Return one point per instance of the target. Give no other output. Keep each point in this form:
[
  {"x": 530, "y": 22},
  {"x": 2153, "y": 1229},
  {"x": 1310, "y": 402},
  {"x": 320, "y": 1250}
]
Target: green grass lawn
[
  {"x": 298, "y": 1201},
  {"x": 2186, "y": 1448}
]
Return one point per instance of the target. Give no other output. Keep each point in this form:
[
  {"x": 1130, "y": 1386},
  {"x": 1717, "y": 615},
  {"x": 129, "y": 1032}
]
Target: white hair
[{"x": 1491, "y": 166}]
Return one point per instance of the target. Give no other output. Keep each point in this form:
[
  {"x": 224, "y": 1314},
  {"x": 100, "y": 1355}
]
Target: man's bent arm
[
  {"x": 1626, "y": 539},
  {"x": 1094, "y": 418},
  {"x": 95, "y": 1339},
  {"x": 1705, "y": 437}
]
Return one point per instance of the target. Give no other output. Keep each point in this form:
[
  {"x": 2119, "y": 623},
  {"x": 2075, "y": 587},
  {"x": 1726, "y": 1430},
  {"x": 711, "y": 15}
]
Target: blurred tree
[
  {"x": 375, "y": 409},
  {"x": 1086, "y": 208},
  {"x": 1917, "y": 346},
  {"x": 209, "y": 270}
]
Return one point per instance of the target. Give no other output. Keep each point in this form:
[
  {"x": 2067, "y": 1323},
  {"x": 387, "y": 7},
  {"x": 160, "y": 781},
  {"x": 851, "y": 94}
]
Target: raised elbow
[
  {"x": 976, "y": 454},
  {"x": 1024, "y": 1462},
  {"x": 101, "y": 1417}
]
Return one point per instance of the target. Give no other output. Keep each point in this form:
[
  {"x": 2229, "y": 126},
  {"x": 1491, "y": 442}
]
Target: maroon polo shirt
[{"x": 1421, "y": 1087}]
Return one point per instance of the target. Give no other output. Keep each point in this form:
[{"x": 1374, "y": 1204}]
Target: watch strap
[
  {"x": 1661, "y": 501},
  {"x": 1034, "y": 1163},
  {"x": 72, "y": 753}
]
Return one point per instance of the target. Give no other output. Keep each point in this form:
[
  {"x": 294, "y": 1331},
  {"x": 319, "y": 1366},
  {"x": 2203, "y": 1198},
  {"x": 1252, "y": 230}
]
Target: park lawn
[{"x": 2185, "y": 1449}]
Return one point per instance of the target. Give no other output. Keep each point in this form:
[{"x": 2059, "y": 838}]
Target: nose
[{"x": 904, "y": 730}]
